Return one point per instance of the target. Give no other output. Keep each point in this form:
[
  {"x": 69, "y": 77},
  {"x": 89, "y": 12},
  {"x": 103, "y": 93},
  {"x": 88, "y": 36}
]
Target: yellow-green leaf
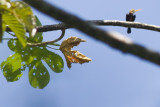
[
  {"x": 12, "y": 67},
  {"x": 4, "y": 2},
  {"x": 18, "y": 28},
  {"x": 24, "y": 13}
]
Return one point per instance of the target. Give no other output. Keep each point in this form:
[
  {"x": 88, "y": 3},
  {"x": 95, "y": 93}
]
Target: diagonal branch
[{"x": 111, "y": 39}]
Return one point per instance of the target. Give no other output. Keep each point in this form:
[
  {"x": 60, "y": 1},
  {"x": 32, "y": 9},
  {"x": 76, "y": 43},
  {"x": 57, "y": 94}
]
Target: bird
[{"x": 131, "y": 17}]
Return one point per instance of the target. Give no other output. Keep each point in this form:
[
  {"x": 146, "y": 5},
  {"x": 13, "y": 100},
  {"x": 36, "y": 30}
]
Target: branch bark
[
  {"x": 111, "y": 39},
  {"x": 139, "y": 25}
]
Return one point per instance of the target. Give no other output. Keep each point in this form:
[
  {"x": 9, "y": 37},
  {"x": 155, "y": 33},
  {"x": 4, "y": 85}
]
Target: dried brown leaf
[{"x": 73, "y": 56}]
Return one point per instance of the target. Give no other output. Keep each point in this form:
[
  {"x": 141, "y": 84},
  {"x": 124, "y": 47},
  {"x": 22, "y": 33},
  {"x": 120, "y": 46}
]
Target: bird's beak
[{"x": 137, "y": 10}]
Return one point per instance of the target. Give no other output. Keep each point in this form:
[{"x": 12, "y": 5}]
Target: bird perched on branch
[{"x": 131, "y": 17}]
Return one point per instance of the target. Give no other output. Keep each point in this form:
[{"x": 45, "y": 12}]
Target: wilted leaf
[{"x": 73, "y": 56}]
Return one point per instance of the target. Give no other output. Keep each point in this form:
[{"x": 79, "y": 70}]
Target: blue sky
[{"x": 112, "y": 79}]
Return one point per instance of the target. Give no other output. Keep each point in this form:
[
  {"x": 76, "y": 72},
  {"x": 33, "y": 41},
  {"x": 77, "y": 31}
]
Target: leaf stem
[
  {"x": 11, "y": 34},
  {"x": 51, "y": 48},
  {"x": 10, "y": 38},
  {"x": 48, "y": 42}
]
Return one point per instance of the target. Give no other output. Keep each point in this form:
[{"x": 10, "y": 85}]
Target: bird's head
[{"x": 133, "y": 10}]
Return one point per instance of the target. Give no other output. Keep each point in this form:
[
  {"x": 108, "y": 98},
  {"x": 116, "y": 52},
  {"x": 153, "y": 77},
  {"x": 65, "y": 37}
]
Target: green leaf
[
  {"x": 32, "y": 57},
  {"x": 15, "y": 46},
  {"x": 12, "y": 67},
  {"x": 19, "y": 30},
  {"x": 14, "y": 60},
  {"x": 10, "y": 75},
  {"x": 25, "y": 53},
  {"x": 24, "y": 13},
  {"x": 38, "y": 23},
  {"x": 38, "y": 37},
  {"x": 2, "y": 25},
  {"x": 38, "y": 75},
  {"x": 54, "y": 61}
]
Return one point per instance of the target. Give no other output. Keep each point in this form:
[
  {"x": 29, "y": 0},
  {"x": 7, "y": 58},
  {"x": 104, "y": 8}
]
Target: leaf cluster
[
  {"x": 32, "y": 58},
  {"x": 28, "y": 58},
  {"x": 19, "y": 18}
]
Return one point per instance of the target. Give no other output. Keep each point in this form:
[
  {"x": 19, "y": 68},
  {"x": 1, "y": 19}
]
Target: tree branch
[
  {"x": 60, "y": 26},
  {"x": 127, "y": 24},
  {"x": 111, "y": 39},
  {"x": 139, "y": 25}
]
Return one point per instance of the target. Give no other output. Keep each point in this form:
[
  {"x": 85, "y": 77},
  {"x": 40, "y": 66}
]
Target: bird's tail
[{"x": 129, "y": 30}]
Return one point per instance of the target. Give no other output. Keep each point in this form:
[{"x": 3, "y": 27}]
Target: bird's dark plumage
[{"x": 131, "y": 17}]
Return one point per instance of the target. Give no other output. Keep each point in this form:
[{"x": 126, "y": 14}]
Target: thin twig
[
  {"x": 48, "y": 42},
  {"x": 52, "y": 48},
  {"x": 10, "y": 38},
  {"x": 11, "y": 34},
  {"x": 112, "y": 40}
]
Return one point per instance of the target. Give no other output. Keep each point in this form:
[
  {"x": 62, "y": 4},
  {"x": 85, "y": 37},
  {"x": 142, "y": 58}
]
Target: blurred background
[{"x": 112, "y": 79}]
